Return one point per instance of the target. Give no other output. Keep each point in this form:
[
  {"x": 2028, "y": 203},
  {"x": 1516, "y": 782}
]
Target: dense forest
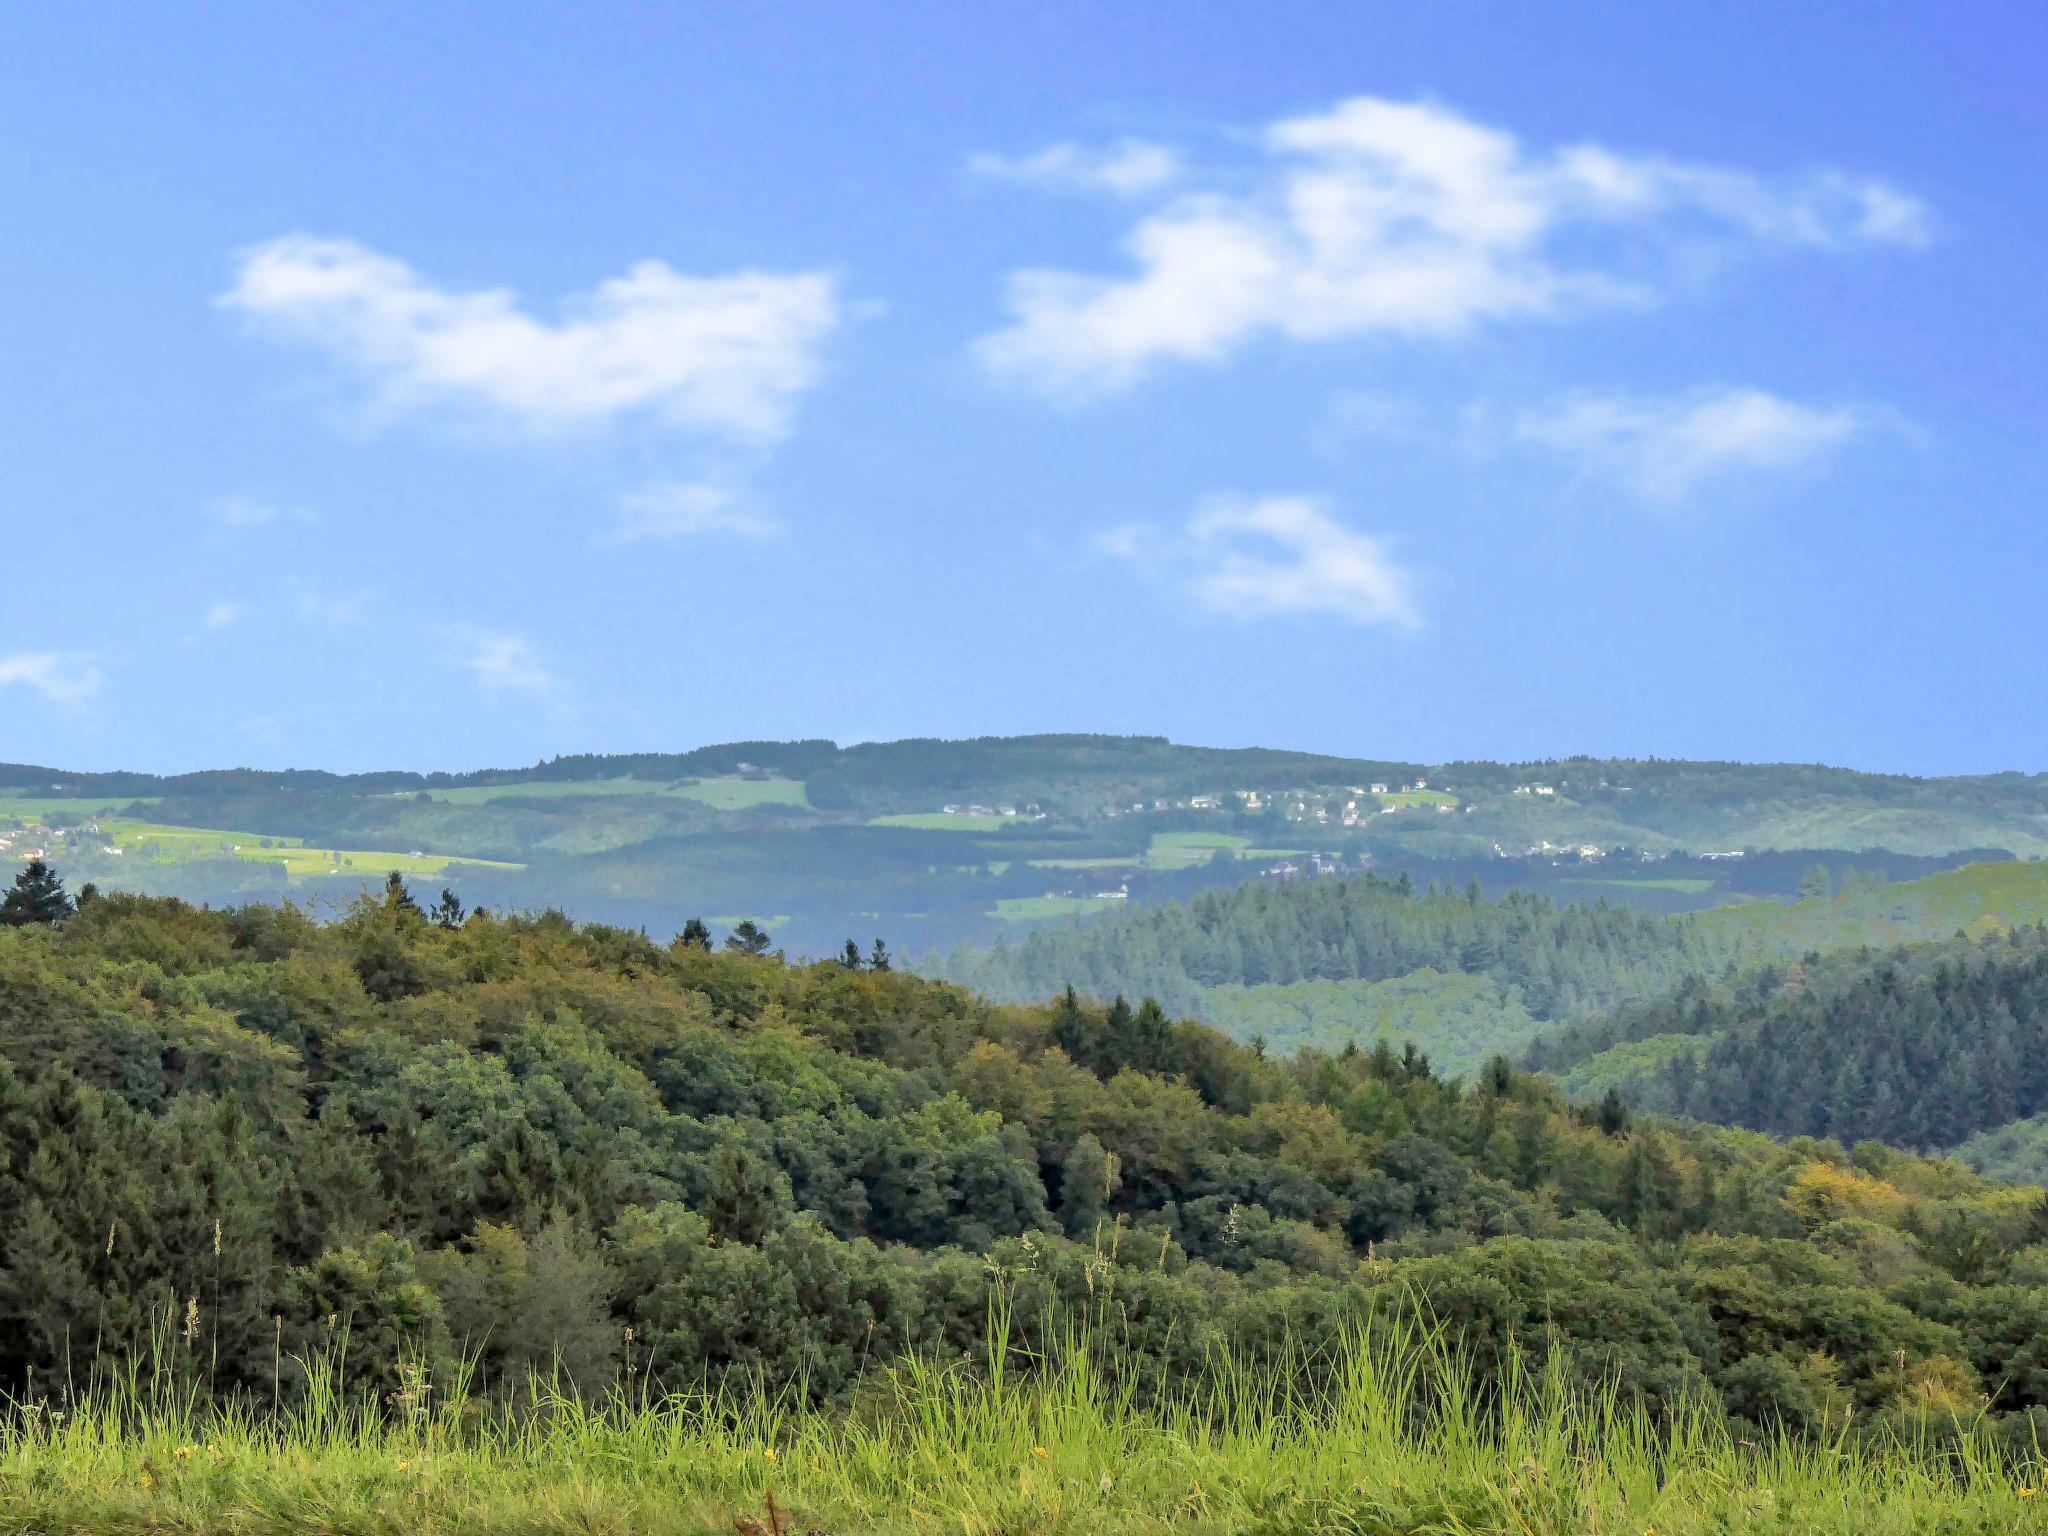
[
  {"x": 242, "y": 1137},
  {"x": 1560, "y": 959},
  {"x": 1921, "y": 1046}
]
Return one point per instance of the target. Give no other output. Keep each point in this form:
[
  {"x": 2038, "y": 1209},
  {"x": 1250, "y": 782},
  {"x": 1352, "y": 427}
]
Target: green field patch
[
  {"x": 163, "y": 844},
  {"x": 535, "y": 789},
  {"x": 43, "y": 807},
  {"x": 733, "y": 793},
  {"x": 1032, "y": 909},
  {"x": 941, "y": 821},
  {"x": 1417, "y": 797},
  {"x": 1123, "y": 863},
  {"x": 1184, "y": 850}
]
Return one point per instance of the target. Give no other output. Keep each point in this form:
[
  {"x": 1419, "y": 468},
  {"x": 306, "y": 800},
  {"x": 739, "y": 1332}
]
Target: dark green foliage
[
  {"x": 1560, "y": 960},
  {"x": 748, "y": 938},
  {"x": 251, "y": 1138},
  {"x": 1920, "y": 1046},
  {"x": 36, "y": 897}
]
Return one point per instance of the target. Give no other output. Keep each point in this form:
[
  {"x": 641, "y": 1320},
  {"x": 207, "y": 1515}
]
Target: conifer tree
[
  {"x": 37, "y": 897},
  {"x": 447, "y": 912},
  {"x": 748, "y": 938},
  {"x": 697, "y": 934},
  {"x": 878, "y": 957}
]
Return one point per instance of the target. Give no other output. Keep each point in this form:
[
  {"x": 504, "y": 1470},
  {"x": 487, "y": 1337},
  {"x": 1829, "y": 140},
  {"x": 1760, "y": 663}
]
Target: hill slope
[
  {"x": 933, "y": 842},
  {"x": 535, "y": 1137}
]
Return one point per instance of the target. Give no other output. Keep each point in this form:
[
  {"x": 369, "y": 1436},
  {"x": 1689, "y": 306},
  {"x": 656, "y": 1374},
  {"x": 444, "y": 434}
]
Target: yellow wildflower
[
  {"x": 769, "y": 1453},
  {"x": 1041, "y": 1453}
]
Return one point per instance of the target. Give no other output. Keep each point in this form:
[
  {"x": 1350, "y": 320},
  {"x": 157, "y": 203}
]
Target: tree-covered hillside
[
  {"x": 1922, "y": 1045},
  {"x": 942, "y": 841},
  {"x": 238, "y": 1137}
]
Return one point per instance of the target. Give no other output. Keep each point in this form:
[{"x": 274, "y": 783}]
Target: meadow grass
[
  {"x": 941, "y": 821},
  {"x": 1391, "y": 1435}
]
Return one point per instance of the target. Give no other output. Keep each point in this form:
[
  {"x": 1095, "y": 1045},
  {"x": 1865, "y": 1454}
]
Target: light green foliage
[
  {"x": 1394, "y": 1440},
  {"x": 2017, "y": 1152}
]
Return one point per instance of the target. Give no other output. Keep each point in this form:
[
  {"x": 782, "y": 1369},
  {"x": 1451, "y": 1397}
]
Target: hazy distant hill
[{"x": 932, "y": 842}]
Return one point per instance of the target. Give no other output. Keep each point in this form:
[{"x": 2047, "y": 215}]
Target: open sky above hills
[{"x": 382, "y": 387}]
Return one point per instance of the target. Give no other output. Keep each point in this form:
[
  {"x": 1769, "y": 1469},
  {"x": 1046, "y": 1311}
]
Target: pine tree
[
  {"x": 397, "y": 898},
  {"x": 447, "y": 912},
  {"x": 748, "y": 938},
  {"x": 849, "y": 957},
  {"x": 1070, "y": 1031},
  {"x": 696, "y": 934},
  {"x": 878, "y": 957},
  {"x": 37, "y": 897}
]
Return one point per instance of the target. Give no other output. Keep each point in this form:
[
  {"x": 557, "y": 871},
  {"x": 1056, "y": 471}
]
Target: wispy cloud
[
  {"x": 1124, "y": 169},
  {"x": 1407, "y": 219},
  {"x": 727, "y": 355},
  {"x": 676, "y": 510},
  {"x": 249, "y": 512},
  {"x": 61, "y": 677},
  {"x": 221, "y": 615},
  {"x": 334, "y": 610},
  {"x": 503, "y": 663},
  {"x": 1667, "y": 449},
  {"x": 1275, "y": 555}
]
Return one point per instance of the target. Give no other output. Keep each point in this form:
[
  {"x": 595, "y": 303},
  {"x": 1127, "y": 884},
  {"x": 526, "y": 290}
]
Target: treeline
[
  {"x": 1921, "y": 1046},
  {"x": 1563, "y": 959},
  {"x": 245, "y": 1139}
]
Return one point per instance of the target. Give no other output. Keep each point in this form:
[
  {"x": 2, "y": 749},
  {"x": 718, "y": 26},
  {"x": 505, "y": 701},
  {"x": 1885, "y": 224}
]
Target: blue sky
[{"x": 449, "y": 386}]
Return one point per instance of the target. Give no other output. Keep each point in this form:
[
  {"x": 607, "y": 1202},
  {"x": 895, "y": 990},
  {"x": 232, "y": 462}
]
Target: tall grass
[{"x": 1394, "y": 1436}]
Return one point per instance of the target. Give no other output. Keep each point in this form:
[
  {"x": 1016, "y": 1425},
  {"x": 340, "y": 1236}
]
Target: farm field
[
  {"x": 1418, "y": 797},
  {"x": 1031, "y": 909},
  {"x": 727, "y": 793},
  {"x": 939, "y": 821},
  {"x": 42, "y": 807},
  {"x": 176, "y": 845}
]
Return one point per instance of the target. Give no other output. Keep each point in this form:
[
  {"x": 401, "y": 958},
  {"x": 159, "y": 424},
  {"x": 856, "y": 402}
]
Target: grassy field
[
  {"x": 1183, "y": 850},
  {"x": 1381, "y": 1441},
  {"x": 730, "y": 793},
  {"x": 1034, "y": 909},
  {"x": 41, "y": 807},
  {"x": 175, "y": 845},
  {"x": 939, "y": 821},
  {"x": 737, "y": 794},
  {"x": 1417, "y": 797}
]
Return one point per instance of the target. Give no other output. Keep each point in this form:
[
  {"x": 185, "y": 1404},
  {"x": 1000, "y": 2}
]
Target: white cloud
[
  {"x": 726, "y": 355},
  {"x": 59, "y": 677},
  {"x": 1272, "y": 556},
  {"x": 1406, "y": 219},
  {"x": 676, "y": 509},
  {"x": 1126, "y": 168},
  {"x": 247, "y": 512},
  {"x": 1664, "y": 449},
  {"x": 507, "y": 664},
  {"x": 221, "y": 615}
]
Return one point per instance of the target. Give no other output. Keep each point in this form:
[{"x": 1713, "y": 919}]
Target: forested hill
[
  {"x": 1922, "y": 1046},
  {"x": 936, "y": 842},
  {"x": 1562, "y": 959},
  {"x": 232, "y": 1138}
]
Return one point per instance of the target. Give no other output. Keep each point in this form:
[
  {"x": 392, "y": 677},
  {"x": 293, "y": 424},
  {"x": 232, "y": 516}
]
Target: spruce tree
[
  {"x": 37, "y": 897},
  {"x": 697, "y": 934},
  {"x": 849, "y": 957},
  {"x": 748, "y": 938},
  {"x": 447, "y": 912},
  {"x": 878, "y": 957}
]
